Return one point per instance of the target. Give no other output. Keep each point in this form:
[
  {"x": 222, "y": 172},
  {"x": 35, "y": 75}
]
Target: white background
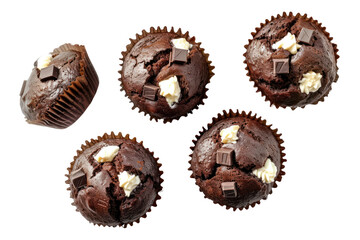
[{"x": 319, "y": 194}]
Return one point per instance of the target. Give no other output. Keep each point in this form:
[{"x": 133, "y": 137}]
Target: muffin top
[
  {"x": 114, "y": 182},
  {"x": 236, "y": 161},
  {"x": 51, "y": 74},
  {"x": 292, "y": 61},
  {"x": 164, "y": 74}
]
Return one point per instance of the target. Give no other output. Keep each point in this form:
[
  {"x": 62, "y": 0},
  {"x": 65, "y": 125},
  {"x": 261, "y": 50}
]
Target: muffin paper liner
[
  {"x": 305, "y": 17},
  {"x": 75, "y": 99},
  {"x": 231, "y": 114},
  {"x": 144, "y": 33},
  {"x": 106, "y": 136}
]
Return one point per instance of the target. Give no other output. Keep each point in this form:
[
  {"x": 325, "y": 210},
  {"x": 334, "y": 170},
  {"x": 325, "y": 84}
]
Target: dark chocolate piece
[
  {"x": 281, "y": 66},
  {"x": 305, "y": 36},
  {"x": 49, "y": 73},
  {"x": 178, "y": 55},
  {"x": 78, "y": 179},
  {"x": 225, "y": 156},
  {"x": 150, "y": 91},
  {"x": 229, "y": 189},
  {"x": 23, "y": 88}
]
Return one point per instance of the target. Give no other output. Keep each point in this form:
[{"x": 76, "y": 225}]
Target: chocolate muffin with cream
[
  {"x": 114, "y": 180},
  {"x": 165, "y": 73},
  {"x": 61, "y": 86},
  {"x": 292, "y": 61},
  {"x": 237, "y": 160}
]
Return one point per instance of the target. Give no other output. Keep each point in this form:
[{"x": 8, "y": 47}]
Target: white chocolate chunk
[
  {"x": 170, "y": 89},
  {"x": 107, "y": 154},
  {"x": 128, "y": 182},
  {"x": 288, "y": 43},
  {"x": 311, "y": 82},
  {"x": 181, "y": 43},
  {"x": 267, "y": 173},
  {"x": 229, "y": 135},
  {"x": 44, "y": 61}
]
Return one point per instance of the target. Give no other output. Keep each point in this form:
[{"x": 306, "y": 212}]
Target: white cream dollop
[
  {"x": 181, "y": 43},
  {"x": 170, "y": 89},
  {"x": 44, "y": 61},
  {"x": 229, "y": 135},
  {"x": 267, "y": 173},
  {"x": 288, "y": 43},
  {"x": 128, "y": 182},
  {"x": 107, "y": 154},
  {"x": 311, "y": 82}
]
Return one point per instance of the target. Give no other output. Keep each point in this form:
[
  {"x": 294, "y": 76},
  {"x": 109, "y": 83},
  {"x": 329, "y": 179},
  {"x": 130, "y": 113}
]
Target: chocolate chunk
[
  {"x": 78, "y": 179},
  {"x": 229, "y": 189},
  {"x": 23, "y": 88},
  {"x": 225, "y": 156},
  {"x": 150, "y": 91},
  {"x": 178, "y": 55},
  {"x": 281, "y": 66},
  {"x": 49, "y": 73},
  {"x": 305, "y": 36}
]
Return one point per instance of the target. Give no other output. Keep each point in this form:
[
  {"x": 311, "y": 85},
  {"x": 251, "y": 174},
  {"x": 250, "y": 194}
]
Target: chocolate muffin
[
  {"x": 292, "y": 61},
  {"x": 164, "y": 73},
  {"x": 114, "y": 180},
  {"x": 61, "y": 86},
  {"x": 237, "y": 160}
]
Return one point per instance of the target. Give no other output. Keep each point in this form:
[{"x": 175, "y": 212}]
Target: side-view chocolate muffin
[
  {"x": 61, "y": 86},
  {"x": 237, "y": 160},
  {"x": 114, "y": 180},
  {"x": 292, "y": 61},
  {"x": 164, "y": 73}
]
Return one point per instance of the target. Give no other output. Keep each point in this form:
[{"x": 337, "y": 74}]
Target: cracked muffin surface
[
  {"x": 101, "y": 197},
  {"x": 253, "y": 145},
  {"x": 318, "y": 55},
  {"x": 148, "y": 63}
]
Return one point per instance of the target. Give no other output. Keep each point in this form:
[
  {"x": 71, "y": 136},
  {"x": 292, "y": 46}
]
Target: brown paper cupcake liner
[
  {"x": 186, "y": 35},
  {"x": 305, "y": 17},
  {"x": 231, "y": 114},
  {"x": 106, "y": 136},
  {"x": 72, "y": 103}
]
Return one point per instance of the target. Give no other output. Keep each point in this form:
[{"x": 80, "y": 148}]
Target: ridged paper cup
[
  {"x": 191, "y": 40},
  {"x": 298, "y": 16},
  {"x": 72, "y": 103},
  {"x": 110, "y": 136},
  {"x": 231, "y": 114}
]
